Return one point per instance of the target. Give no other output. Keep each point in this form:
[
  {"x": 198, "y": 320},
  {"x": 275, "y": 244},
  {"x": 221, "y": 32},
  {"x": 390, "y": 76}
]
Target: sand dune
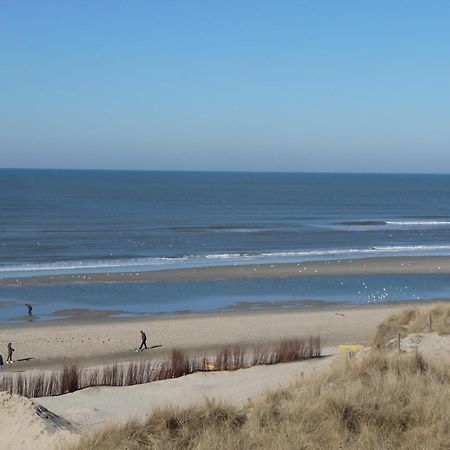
[{"x": 25, "y": 425}]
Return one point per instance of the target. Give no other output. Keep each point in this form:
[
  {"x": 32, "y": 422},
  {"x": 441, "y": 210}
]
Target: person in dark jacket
[
  {"x": 9, "y": 359},
  {"x": 1, "y": 363},
  {"x": 30, "y": 309},
  {"x": 144, "y": 340}
]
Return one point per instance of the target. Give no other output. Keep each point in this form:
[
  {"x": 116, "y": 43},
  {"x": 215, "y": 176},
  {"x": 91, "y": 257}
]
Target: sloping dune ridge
[{"x": 26, "y": 425}]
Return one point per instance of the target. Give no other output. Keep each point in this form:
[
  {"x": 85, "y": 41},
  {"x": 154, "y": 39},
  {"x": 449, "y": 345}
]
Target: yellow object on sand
[
  {"x": 209, "y": 366},
  {"x": 351, "y": 347}
]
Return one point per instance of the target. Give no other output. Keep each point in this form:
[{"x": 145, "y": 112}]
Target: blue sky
[{"x": 232, "y": 85}]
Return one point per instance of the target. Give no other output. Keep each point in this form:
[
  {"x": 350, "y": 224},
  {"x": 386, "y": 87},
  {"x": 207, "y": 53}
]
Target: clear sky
[{"x": 231, "y": 85}]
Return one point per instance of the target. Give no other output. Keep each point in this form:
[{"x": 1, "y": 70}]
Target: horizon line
[{"x": 300, "y": 172}]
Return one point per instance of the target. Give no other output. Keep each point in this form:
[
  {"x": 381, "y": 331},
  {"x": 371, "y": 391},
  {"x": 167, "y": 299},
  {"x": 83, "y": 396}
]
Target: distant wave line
[
  {"x": 202, "y": 260},
  {"x": 421, "y": 222},
  {"x": 386, "y": 224},
  {"x": 261, "y": 228}
]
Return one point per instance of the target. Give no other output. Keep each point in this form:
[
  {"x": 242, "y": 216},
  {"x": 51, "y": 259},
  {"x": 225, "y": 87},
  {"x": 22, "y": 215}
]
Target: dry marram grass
[
  {"x": 382, "y": 401},
  {"x": 414, "y": 320}
]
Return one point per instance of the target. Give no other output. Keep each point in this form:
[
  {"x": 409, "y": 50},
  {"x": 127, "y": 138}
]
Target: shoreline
[
  {"x": 84, "y": 316},
  {"x": 93, "y": 314},
  {"x": 385, "y": 265}
]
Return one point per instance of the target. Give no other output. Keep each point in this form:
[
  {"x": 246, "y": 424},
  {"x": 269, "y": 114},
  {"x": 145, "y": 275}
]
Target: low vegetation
[
  {"x": 414, "y": 320},
  {"x": 386, "y": 400},
  {"x": 381, "y": 399},
  {"x": 71, "y": 378}
]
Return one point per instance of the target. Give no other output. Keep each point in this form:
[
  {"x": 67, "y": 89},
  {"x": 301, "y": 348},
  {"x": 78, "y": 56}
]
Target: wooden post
[
  {"x": 399, "y": 337},
  {"x": 430, "y": 323}
]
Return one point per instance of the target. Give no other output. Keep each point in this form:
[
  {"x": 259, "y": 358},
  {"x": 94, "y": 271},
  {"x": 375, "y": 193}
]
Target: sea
[{"x": 73, "y": 221}]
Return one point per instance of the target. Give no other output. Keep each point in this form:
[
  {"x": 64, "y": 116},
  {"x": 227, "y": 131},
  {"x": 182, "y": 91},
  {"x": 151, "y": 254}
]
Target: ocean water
[{"x": 71, "y": 221}]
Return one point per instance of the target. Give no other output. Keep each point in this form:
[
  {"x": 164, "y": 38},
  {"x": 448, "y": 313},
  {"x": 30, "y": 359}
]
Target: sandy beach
[
  {"x": 56, "y": 422},
  {"x": 91, "y": 342}
]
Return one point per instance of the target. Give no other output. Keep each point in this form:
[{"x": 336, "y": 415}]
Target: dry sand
[
  {"x": 90, "y": 342},
  {"x": 430, "y": 345},
  {"x": 27, "y": 426}
]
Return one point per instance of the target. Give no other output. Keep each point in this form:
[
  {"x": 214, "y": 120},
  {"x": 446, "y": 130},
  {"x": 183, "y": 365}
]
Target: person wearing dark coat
[
  {"x": 144, "y": 341},
  {"x": 9, "y": 359}
]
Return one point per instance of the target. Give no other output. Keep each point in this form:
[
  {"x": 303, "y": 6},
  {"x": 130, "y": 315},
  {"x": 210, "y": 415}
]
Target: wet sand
[{"x": 366, "y": 266}]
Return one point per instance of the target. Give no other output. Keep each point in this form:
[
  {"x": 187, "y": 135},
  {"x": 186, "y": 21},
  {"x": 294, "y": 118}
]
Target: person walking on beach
[
  {"x": 1, "y": 362},
  {"x": 30, "y": 309},
  {"x": 144, "y": 341},
  {"x": 9, "y": 359}
]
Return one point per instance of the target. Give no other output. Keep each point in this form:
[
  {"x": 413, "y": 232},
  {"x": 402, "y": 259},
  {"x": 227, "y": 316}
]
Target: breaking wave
[
  {"x": 362, "y": 225},
  {"x": 155, "y": 263}
]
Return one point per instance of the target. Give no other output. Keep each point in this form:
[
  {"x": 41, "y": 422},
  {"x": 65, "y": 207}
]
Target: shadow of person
[
  {"x": 25, "y": 359},
  {"x": 155, "y": 346}
]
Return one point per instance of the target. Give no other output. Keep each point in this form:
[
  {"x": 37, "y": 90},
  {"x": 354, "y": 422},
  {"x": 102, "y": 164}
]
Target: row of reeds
[{"x": 72, "y": 378}]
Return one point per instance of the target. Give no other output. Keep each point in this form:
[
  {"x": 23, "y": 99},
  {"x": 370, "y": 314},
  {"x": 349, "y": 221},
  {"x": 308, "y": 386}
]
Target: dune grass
[
  {"x": 414, "y": 320},
  {"x": 385, "y": 400}
]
